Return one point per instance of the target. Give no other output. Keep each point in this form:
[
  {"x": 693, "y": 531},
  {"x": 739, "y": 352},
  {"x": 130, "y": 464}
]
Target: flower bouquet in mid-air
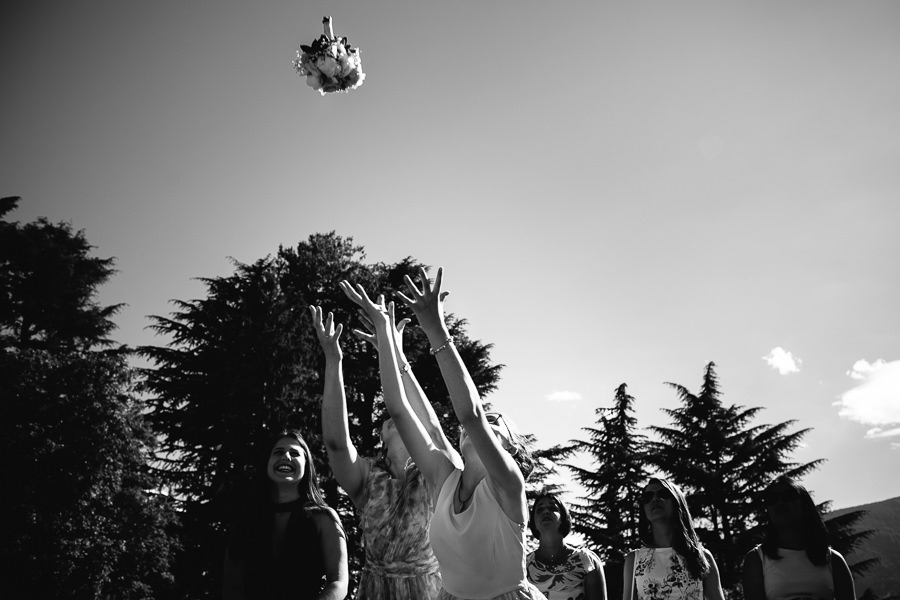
[{"x": 330, "y": 64}]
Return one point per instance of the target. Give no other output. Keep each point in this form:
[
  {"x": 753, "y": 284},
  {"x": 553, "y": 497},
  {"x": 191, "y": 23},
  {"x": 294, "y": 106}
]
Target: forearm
[
  {"x": 334, "y": 590},
  {"x": 335, "y": 428}
]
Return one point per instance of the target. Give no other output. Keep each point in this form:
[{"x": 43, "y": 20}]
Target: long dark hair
[
  {"x": 684, "y": 539},
  {"x": 812, "y": 526}
]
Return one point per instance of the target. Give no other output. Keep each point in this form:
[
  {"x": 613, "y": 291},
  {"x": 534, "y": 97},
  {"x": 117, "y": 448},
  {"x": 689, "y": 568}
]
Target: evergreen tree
[
  {"x": 244, "y": 360},
  {"x": 724, "y": 463},
  {"x": 607, "y": 512},
  {"x": 82, "y": 517}
]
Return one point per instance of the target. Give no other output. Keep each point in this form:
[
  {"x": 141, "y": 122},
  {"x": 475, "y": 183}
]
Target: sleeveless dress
[
  {"x": 795, "y": 577},
  {"x": 394, "y": 520},
  {"x": 564, "y": 581},
  {"x": 265, "y": 574},
  {"x": 481, "y": 551},
  {"x": 662, "y": 574}
]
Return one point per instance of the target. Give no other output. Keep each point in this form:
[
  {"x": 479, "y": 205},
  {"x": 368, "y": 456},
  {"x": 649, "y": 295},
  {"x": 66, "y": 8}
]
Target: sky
[{"x": 619, "y": 192}]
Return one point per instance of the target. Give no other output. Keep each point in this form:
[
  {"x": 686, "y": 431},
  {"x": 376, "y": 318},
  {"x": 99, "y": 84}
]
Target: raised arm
[
  {"x": 415, "y": 395},
  {"x": 504, "y": 475},
  {"x": 434, "y": 462},
  {"x": 349, "y": 470}
]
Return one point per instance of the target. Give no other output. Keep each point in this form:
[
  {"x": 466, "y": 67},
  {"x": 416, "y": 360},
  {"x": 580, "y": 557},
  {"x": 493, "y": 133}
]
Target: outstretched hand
[
  {"x": 371, "y": 333},
  {"x": 376, "y": 312},
  {"x": 427, "y": 303},
  {"x": 328, "y": 333}
]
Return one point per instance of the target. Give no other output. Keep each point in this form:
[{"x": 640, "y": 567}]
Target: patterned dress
[
  {"x": 662, "y": 574},
  {"x": 564, "y": 581},
  {"x": 394, "y": 520}
]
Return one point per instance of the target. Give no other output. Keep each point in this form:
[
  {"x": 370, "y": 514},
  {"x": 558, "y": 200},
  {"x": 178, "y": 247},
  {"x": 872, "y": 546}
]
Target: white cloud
[
  {"x": 862, "y": 368},
  {"x": 782, "y": 361},
  {"x": 563, "y": 396},
  {"x": 876, "y": 401}
]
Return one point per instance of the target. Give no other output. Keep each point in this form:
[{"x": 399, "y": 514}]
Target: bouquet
[{"x": 330, "y": 64}]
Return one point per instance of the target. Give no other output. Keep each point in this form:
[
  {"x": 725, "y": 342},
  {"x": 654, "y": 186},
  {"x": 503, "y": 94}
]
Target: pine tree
[
  {"x": 606, "y": 514},
  {"x": 724, "y": 463},
  {"x": 83, "y": 517}
]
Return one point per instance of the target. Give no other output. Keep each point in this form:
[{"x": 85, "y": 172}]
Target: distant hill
[{"x": 884, "y": 518}]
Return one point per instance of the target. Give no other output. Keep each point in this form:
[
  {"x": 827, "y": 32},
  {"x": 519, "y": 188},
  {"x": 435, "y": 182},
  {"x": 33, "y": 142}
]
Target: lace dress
[
  {"x": 394, "y": 519},
  {"x": 662, "y": 574}
]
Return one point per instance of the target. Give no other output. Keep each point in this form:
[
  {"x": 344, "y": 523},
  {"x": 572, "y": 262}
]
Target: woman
[
  {"x": 289, "y": 543},
  {"x": 478, "y": 529},
  {"x": 795, "y": 559},
  {"x": 390, "y": 494},
  {"x": 561, "y": 571},
  {"x": 672, "y": 564}
]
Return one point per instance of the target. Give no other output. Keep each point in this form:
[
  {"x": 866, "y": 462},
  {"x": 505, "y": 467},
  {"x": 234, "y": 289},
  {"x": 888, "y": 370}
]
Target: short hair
[{"x": 565, "y": 521}]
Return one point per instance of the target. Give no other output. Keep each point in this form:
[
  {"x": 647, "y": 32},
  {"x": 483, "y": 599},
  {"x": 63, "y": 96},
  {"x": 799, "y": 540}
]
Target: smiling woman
[{"x": 287, "y": 528}]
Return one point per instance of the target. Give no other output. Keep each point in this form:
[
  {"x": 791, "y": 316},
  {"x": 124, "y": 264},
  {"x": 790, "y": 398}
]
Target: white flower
[
  {"x": 327, "y": 65},
  {"x": 313, "y": 81}
]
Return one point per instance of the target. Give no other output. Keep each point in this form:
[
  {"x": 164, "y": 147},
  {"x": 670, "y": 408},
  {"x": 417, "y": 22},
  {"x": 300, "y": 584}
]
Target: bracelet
[
  {"x": 404, "y": 369},
  {"x": 443, "y": 346}
]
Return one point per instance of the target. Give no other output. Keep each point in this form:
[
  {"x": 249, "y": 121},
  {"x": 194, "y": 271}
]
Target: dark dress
[{"x": 297, "y": 570}]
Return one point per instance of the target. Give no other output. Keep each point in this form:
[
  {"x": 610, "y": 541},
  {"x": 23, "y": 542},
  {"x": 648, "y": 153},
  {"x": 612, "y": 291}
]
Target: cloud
[
  {"x": 563, "y": 396},
  {"x": 782, "y": 361},
  {"x": 876, "y": 401},
  {"x": 862, "y": 368}
]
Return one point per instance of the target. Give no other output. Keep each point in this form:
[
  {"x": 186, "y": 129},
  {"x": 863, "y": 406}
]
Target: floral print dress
[
  {"x": 394, "y": 519},
  {"x": 662, "y": 574},
  {"x": 564, "y": 581}
]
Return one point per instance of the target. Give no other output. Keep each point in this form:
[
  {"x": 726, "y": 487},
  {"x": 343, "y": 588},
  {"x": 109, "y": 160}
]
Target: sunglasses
[
  {"x": 788, "y": 495},
  {"x": 663, "y": 494}
]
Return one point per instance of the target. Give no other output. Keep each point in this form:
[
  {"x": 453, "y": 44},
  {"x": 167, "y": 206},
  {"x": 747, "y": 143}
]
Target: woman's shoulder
[{"x": 589, "y": 559}]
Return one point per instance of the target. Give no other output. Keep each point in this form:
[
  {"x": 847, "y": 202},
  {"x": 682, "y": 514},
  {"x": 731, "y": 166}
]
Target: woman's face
[
  {"x": 547, "y": 516},
  {"x": 783, "y": 504},
  {"x": 287, "y": 462},
  {"x": 658, "y": 502}
]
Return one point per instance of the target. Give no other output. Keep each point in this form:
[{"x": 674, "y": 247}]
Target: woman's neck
[
  {"x": 397, "y": 462},
  {"x": 662, "y": 535},
  {"x": 284, "y": 494},
  {"x": 791, "y": 538},
  {"x": 551, "y": 548}
]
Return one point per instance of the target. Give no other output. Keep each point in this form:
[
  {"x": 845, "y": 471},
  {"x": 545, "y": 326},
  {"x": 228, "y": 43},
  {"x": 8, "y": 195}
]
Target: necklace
[{"x": 554, "y": 558}]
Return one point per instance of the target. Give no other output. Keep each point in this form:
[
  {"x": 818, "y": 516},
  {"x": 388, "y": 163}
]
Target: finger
[
  {"x": 316, "y": 312},
  {"x": 438, "y": 281},
  {"x": 362, "y": 293},
  {"x": 402, "y": 325},
  {"x": 366, "y": 337},
  {"x": 350, "y": 292},
  {"x": 381, "y": 302},
  {"x": 406, "y": 300},
  {"x": 337, "y": 331},
  {"x": 329, "y": 324},
  {"x": 413, "y": 288},
  {"x": 444, "y": 295},
  {"x": 366, "y": 321}
]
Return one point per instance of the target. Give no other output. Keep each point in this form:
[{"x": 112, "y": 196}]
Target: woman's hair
[
  {"x": 815, "y": 534},
  {"x": 518, "y": 449},
  {"x": 684, "y": 538},
  {"x": 565, "y": 521}
]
